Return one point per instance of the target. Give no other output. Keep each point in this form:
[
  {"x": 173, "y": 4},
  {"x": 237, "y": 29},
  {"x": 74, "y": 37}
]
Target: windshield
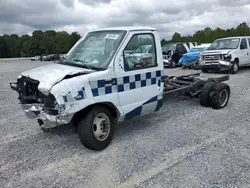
[
  {"x": 96, "y": 50},
  {"x": 225, "y": 44},
  {"x": 143, "y": 49},
  {"x": 168, "y": 47},
  {"x": 199, "y": 49}
]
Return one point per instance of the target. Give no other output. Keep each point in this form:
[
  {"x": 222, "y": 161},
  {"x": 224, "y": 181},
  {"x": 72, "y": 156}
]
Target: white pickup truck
[
  {"x": 226, "y": 54},
  {"x": 96, "y": 86}
]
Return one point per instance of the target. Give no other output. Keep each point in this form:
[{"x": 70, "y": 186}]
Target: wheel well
[
  {"x": 236, "y": 59},
  {"x": 114, "y": 111}
]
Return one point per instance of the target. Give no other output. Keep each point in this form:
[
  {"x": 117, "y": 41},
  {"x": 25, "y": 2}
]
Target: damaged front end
[{"x": 37, "y": 105}]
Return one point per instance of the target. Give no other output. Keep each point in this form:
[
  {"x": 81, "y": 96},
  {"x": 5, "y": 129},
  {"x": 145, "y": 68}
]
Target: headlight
[
  {"x": 225, "y": 63},
  {"x": 227, "y": 57},
  {"x": 50, "y": 105}
]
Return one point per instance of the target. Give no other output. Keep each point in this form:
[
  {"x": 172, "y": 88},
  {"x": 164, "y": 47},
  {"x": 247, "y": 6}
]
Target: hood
[
  {"x": 49, "y": 75},
  {"x": 217, "y": 51},
  {"x": 196, "y": 53}
]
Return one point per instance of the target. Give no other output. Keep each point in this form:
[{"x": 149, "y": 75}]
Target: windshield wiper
[{"x": 85, "y": 63}]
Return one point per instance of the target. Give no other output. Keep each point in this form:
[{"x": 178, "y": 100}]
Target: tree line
[
  {"x": 208, "y": 35},
  {"x": 39, "y": 43},
  {"x": 51, "y": 42}
]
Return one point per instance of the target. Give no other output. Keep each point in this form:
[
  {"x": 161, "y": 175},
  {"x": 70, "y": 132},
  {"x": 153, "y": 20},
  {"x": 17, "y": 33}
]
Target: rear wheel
[
  {"x": 206, "y": 92},
  {"x": 220, "y": 96},
  {"x": 96, "y": 129}
]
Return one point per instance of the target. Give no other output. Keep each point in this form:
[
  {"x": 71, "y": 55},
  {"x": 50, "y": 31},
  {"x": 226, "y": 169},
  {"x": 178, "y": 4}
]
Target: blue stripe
[
  {"x": 151, "y": 100},
  {"x": 133, "y": 113},
  {"x": 137, "y": 111},
  {"x": 137, "y": 77},
  {"x": 95, "y": 92},
  {"x": 159, "y": 104}
]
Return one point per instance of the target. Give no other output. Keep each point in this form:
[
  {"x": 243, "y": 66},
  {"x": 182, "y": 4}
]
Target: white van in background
[{"x": 226, "y": 54}]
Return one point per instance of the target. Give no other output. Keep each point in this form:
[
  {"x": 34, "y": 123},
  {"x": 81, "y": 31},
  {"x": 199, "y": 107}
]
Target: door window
[
  {"x": 140, "y": 52},
  {"x": 243, "y": 44},
  {"x": 248, "y": 41},
  {"x": 181, "y": 49}
]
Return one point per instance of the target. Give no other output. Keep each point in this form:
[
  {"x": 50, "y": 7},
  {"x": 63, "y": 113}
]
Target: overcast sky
[{"x": 168, "y": 16}]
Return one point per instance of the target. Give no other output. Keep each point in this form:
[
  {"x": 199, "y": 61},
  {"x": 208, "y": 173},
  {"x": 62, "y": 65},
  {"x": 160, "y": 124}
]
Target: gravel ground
[{"x": 182, "y": 145}]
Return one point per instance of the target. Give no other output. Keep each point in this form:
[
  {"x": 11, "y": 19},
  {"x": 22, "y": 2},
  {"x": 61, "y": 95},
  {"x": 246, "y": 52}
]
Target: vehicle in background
[
  {"x": 51, "y": 57},
  {"x": 191, "y": 58},
  {"x": 141, "y": 54},
  {"x": 97, "y": 87},
  {"x": 226, "y": 55},
  {"x": 172, "y": 52},
  {"x": 35, "y": 58}
]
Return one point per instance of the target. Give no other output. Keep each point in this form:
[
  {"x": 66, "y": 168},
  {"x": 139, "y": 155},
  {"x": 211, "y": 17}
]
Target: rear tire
[
  {"x": 221, "y": 96},
  {"x": 96, "y": 129},
  {"x": 205, "y": 94}
]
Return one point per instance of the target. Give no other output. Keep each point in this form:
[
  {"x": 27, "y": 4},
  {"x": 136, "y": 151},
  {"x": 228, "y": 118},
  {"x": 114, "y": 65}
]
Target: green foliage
[
  {"x": 50, "y": 42},
  {"x": 40, "y": 43},
  {"x": 208, "y": 35},
  {"x": 176, "y": 37}
]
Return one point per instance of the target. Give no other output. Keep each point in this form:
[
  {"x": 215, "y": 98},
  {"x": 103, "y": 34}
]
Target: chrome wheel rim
[
  {"x": 223, "y": 97},
  {"x": 235, "y": 67},
  {"x": 101, "y": 126}
]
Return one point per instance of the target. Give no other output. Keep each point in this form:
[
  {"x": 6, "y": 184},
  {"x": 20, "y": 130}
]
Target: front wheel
[
  {"x": 96, "y": 129},
  {"x": 172, "y": 64},
  {"x": 196, "y": 66},
  {"x": 204, "y": 70},
  {"x": 234, "y": 69}
]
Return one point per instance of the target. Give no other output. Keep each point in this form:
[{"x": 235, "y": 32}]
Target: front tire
[
  {"x": 234, "y": 69},
  {"x": 204, "y": 70},
  {"x": 172, "y": 64},
  {"x": 96, "y": 129}
]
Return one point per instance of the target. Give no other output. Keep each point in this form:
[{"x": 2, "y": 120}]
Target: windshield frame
[
  {"x": 223, "y": 39},
  {"x": 109, "y": 60}
]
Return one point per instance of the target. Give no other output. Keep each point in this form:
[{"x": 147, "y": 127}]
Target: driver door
[
  {"x": 243, "y": 56},
  {"x": 139, "y": 79}
]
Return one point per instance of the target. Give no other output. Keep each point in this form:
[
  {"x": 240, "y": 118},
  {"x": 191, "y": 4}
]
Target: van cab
[{"x": 226, "y": 54}]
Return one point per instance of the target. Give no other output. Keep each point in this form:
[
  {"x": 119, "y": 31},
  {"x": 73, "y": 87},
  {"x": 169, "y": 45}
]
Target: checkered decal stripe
[
  {"x": 81, "y": 95},
  {"x": 126, "y": 83},
  {"x": 153, "y": 103}
]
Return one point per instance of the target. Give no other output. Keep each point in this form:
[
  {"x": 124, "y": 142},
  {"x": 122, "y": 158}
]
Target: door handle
[{"x": 108, "y": 81}]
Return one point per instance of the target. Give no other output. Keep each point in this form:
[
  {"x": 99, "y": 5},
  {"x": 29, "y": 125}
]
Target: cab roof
[
  {"x": 239, "y": 37},
  {"x": 129, "y": 28}
]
